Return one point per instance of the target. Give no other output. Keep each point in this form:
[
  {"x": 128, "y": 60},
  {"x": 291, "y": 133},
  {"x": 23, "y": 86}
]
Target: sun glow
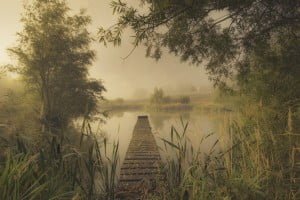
[
  {"x": 3, "y": 56},
  {"x": 13, "y": 75}
]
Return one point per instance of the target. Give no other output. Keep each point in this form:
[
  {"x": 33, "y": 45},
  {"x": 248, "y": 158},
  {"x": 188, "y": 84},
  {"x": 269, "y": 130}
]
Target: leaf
[{"x": 170, "y": 143}]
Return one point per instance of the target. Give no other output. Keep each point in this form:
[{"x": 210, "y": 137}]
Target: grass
[
  {"x": 253, "y": 163},
  {"x": 248, "y": 161},
  {"x": 59, "y": 169}
]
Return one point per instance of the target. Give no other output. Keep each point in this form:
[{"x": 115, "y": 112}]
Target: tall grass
[
  {"x": 21, "y": 179},
  {"x": 250, "y": 163},
  {"x": 58, "y": 169}
]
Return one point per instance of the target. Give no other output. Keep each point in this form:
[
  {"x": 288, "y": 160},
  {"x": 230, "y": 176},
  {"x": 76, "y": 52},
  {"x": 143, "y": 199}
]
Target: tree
[
  {"x": 158, "y": 96},
  {"x": 272, "y": 68},
  {"x": 270, "y": 76},
  {"x": 192, "y": 30},
  {"x": 53, "y": 54},
  {"x": 224, "y": 36}
]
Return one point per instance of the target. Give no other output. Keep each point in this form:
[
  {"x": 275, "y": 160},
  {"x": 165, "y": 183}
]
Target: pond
[{"x": 119, "y": 127}]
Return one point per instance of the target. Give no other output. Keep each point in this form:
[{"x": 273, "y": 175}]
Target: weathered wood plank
[{"x": 142, "y": 163}]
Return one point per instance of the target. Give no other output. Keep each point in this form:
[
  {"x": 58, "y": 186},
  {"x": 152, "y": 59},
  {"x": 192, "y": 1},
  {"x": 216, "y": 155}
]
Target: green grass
[
  {"x": 248, "y": 161},
  {"x": 253, "y": 163},
  {"x": 59, "y": 169}
]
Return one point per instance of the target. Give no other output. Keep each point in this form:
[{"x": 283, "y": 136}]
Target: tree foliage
[
  {"x": 191, "y": 29},
  {"x": 271, "y": 72},
  {"x": 158, "y": 96},
  {"x": 239, "y": 42},
  {"x": 53, "y": 54}
]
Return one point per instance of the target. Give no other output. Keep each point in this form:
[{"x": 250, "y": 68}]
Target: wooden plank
[
  {"x": 140, "y": 177},
  {"x": 140, "y": 170},
  {"x": 142, "y": 161},
  {"x": 132, "y": 167}
]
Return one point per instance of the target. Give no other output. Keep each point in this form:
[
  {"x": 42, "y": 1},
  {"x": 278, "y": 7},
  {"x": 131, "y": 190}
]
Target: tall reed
[
  {"x": 59, "y": 169},
  {"x": 250, "y": 163}
]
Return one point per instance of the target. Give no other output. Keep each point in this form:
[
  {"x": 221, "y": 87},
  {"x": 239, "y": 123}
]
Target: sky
[{"x": 135, "y": 76}]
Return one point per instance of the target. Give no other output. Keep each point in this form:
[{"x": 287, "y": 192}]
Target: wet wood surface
[{"x": 141, "y": 169}]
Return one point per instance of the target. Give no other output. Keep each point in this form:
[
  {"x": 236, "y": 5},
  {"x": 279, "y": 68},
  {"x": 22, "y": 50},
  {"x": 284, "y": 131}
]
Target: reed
[
  {"x": 59, "y": 169},
  {"x": 247, "y": 162}
]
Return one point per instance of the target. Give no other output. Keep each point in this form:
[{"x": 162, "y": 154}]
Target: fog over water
[
  {"x": 135, "y": 76},
  {"x": 119, "y": 127}
]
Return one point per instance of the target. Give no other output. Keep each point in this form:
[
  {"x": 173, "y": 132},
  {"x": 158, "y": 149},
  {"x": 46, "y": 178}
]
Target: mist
[
  {"x": 133, "y": 77},
  {"x": 85, "y": 114}
]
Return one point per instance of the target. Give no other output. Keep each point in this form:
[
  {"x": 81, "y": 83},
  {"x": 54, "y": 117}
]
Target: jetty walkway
[{"x": 141, "y": 170}]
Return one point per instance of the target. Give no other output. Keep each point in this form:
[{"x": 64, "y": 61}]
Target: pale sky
[{"x": 121, "y": 77}]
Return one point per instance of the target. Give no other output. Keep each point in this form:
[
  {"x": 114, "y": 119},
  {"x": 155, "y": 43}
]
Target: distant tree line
[{"x": 159, "y": 97}]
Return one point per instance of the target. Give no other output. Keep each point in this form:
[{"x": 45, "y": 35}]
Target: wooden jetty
[{"x": 140, "y": 172}]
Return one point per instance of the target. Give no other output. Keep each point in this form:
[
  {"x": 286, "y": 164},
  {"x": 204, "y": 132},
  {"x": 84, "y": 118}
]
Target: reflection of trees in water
[{"x": 158, "y": 118}]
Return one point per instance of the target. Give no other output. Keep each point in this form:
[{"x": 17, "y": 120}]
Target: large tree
[
  {"x": 218, "y": 34},
  {"x": 53, "y": 54}
]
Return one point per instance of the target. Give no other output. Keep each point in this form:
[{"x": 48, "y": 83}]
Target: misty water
[{"x": 119, "y": 127}]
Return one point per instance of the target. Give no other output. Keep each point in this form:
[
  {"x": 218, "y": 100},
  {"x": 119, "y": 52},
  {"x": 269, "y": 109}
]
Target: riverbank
[{"x": 205, "y": 103}]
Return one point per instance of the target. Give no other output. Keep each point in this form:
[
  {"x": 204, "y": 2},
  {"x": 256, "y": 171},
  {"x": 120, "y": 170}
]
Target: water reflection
[
  {"x": 158, "y": 119},
  {"x": 119, "y": 126}
]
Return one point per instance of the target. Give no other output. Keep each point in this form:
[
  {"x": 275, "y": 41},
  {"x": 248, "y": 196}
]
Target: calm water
[{"x": 119, "y": 126}]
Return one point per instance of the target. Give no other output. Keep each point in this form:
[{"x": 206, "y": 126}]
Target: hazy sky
[{"x": 121, "y": 77}]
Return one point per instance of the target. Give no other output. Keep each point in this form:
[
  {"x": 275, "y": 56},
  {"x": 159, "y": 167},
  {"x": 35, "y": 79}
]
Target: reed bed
[
  {"x": 59, "y": 169},
  {"x": 248, "y": 161}
]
